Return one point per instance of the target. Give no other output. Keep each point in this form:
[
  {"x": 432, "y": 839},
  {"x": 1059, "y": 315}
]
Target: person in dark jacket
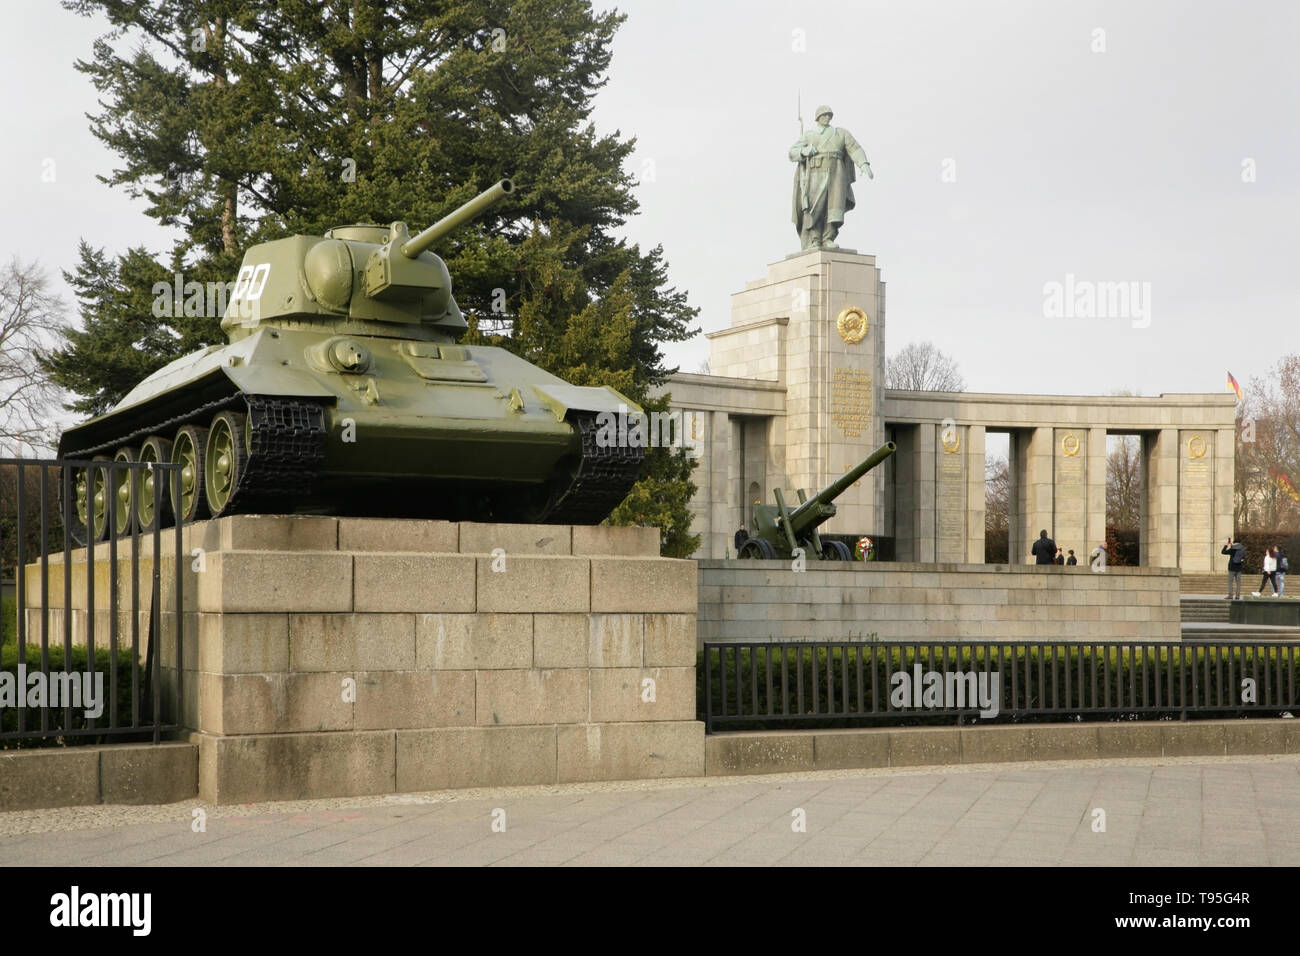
[
  {"x": 1060, "y": 557},
  {"x": 1044, "y": 549},
  {"x": 1236, "y": 552},
  {"x": 1071, "y": 559},
  {"x": 741, "y": 537}
]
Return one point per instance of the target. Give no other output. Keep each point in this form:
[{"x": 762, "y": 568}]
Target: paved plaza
[{"x": 1181, "y": 811}]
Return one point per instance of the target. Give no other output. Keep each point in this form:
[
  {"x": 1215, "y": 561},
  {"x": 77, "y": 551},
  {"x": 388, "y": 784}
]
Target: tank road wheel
[
  {"x": 187, "y": 451},
  {"x": 226, "y": 457},
  {"x": 758, "y": 549},
  {"x": 77, "y": 523},
  {"x": 836, "y": 551},
  {"x": 99, "y": 500},
  {"x": 125, "y": 482},
  {"x": 154, "y": 485}
]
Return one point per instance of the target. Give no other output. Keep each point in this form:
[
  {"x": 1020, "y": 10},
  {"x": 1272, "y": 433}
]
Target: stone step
[
  {"x": 1208, "y": 631},
  {"x": 1203, "y": 609}
]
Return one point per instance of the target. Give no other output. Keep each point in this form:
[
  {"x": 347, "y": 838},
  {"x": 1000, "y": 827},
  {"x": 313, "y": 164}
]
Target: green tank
[{"x": 343, "y": 391}]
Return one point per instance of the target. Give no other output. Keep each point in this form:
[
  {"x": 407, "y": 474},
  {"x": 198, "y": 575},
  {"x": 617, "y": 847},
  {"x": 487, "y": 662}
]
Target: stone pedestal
[
  {"x": 785, "y": 329},
  {"x": 340, "y": 657}
]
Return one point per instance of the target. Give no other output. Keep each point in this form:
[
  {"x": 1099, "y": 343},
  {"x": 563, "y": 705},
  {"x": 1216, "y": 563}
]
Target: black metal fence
[
  {"x": 52, "y": 667},
  {"x": 845, "y": 684}
]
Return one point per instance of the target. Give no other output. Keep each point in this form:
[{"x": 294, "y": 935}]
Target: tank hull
[{"x": 414, "y": 428}]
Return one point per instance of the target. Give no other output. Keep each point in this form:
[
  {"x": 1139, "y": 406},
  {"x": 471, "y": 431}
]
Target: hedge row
[
  {"x": 79, "y": 664},
  {"x": 1060, "y": 676}
]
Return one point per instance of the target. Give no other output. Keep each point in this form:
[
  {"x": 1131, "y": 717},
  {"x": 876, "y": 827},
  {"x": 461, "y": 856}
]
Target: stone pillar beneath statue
[{"x": 784, "y": 328}]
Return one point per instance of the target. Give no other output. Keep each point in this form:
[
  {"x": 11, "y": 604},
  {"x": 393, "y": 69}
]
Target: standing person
[
  {"x": 1071, "y": 560},
  {"x": 1060, "y": 558},
  {"x": 1270, "y": 567},
  {"x": 1098, "y": 559},
  {"x": 741, "y": 537},
  {"x": 1279, "y": 576},
  {"x": 1236, "y": 552},
  {"x": 1043, "y": 550}
]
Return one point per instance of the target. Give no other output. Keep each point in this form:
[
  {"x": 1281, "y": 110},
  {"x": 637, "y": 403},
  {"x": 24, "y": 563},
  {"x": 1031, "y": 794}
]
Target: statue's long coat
[{"x": 823, "y": 184}]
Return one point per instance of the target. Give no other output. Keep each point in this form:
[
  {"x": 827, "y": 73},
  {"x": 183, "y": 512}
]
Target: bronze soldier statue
[{"x": 823, "y": 181}]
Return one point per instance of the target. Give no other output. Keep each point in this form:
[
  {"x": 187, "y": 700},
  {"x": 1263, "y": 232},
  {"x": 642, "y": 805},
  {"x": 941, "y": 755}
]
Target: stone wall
[
  {"x": 336, "y": 657},
  {"x": 764, "y": 600}
]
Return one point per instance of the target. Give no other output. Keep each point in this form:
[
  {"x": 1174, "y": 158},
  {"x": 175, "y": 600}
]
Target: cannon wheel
[
  {"x": 758, "y": 549},
  {"x": 836, "y": 551}
]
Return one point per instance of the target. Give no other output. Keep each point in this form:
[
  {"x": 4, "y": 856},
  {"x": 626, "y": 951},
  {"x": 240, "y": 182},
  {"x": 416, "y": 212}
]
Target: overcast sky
[{"x": 1119, "y": 166}]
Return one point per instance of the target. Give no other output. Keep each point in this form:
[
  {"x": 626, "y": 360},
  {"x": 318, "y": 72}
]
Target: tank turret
[
  {"x": 355, "y": 276},
  {"x": 342, "y": 391}
]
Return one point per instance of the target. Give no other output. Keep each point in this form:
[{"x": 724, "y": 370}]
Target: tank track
[
  {"x": 286, "y": 448},
  {"x": 605, "y": 476}
]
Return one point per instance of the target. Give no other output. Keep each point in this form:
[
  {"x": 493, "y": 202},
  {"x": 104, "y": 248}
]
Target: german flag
[{"x": 1232, "y": 384}]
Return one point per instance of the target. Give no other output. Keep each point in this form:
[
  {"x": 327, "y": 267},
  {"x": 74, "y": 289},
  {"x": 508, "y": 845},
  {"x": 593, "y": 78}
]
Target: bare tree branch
[
  {"x": 30, "y": 318},
  {"x": 922, "y": 367}
]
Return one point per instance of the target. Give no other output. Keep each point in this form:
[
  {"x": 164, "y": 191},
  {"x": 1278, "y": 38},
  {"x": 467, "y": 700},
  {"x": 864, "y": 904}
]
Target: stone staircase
[
  {"x": 1203, "y": 610},
  {"x": 1215, "y": 583}
]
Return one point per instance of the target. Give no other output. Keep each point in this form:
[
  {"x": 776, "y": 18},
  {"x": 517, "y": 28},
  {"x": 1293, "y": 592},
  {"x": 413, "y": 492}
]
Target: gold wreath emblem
[
  {"x": 951, "y": 440},
  {"x": 1196, "y": 446},
  {"x": 852, "y": 325},
  {"x": 1070, "y": 445}
]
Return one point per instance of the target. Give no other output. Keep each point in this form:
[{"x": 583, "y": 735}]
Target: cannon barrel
[
  {"x": 458, "y": 217},
  {"x": 819, "y": 507}
]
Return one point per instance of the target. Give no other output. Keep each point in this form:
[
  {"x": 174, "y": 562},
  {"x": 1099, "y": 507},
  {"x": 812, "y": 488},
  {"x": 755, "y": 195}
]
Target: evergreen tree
[{"x": 240, "y": 121}]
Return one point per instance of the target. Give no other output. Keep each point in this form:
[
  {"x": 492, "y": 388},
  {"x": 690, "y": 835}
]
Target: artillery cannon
[
  {"x": 342, "y": 391},
  {"x": 779, "y": 531}
]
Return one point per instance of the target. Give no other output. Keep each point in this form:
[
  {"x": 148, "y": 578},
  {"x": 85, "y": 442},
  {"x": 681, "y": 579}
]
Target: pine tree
[{"x": 240, "y": 121}]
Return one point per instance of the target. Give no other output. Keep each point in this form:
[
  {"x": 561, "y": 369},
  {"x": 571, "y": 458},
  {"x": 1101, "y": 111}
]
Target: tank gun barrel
[{"x": 458, "y": 217}]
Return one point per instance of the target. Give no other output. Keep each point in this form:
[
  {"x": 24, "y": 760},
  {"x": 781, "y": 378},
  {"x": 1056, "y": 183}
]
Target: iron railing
[
  {"x": 31, "y": 532},
  {"x": 842, "y": 684}
]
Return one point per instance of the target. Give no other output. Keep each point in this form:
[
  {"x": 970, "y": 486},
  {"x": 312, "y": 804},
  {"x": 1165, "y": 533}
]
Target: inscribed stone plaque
[
  {"x": 950, "y": 505},
  {"x": 851, "y": 401}
]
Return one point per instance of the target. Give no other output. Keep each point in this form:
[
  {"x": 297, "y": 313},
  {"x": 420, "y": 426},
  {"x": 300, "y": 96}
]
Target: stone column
[
  {"x": 1196, "y": 505},
  {"x": 1070, "y": 488},
  {"x": 1096, "y": 493},
  {"x": 906, "y": 459},
  {"x": 925, "y": 521},
  {"x": 949, "y": 492},
  {"x": 1034, "y": 487},
  {"x": 975, "y": 494},
  {"x": 725, "y": 507},
  {"x": 1224, "y": 492},
  {"x": 1160, "y": 541}
]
